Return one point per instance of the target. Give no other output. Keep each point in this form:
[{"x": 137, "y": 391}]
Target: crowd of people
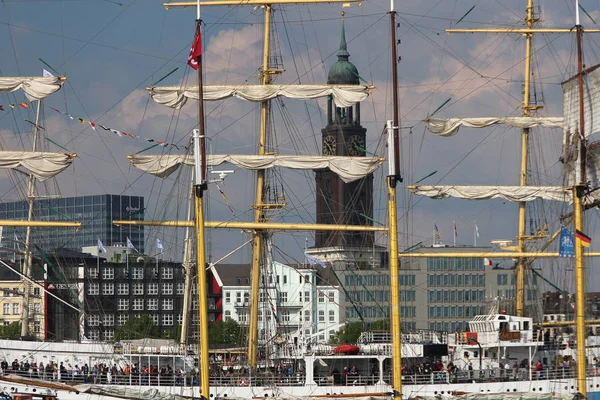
[{"x": 100, "y": 373}]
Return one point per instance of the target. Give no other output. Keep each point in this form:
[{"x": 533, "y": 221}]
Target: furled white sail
[
  {"x": 508, "y": 193},
  {"x": 449, "y": 126},
  {"x": 35, "y": 87},
  {"x": 41, "y": 165},
  {"x": 343, "y": 95},
  {"x": 591, "y": 102},
  {"x": 347, "y": 168}
]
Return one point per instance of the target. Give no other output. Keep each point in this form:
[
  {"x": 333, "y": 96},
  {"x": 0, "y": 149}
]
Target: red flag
[
  {"x": 196, "y": 49},
  {"x": 55, "y": 109},
  {"x": 24, "y": 105}
]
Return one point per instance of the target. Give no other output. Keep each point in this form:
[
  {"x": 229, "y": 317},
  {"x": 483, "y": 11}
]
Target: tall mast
[
  {"x": 392, "y": 179},
  {"x": 199, "y": 189},
  {"x": 28, "y": 255},
  {"x": 521, "y": 239},
  {"x": 578, "y": 192},
  {"x": 259, "y": 205}
]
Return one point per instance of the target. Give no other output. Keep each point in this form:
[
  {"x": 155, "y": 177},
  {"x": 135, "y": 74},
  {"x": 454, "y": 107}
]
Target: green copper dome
[{"x": 343, "y": 71}]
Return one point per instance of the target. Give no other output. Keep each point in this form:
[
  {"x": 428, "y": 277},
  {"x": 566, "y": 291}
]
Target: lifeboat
[{"x": 348, "y": 349}]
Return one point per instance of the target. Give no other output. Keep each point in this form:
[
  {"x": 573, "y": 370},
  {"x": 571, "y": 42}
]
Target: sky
[{"x": 111, "y": 51}]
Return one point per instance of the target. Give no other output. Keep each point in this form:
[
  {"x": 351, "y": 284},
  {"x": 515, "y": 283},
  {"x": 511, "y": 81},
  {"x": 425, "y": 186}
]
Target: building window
[
  {"x": 285, "y": 315},
  {"x": 227, "y": 297},
  {"x": 180, "y": 319},
  {"x": 154, "y": 318},
  {"x": 167, "y": 319},
  {"x": 331, "y": 297},
  {"x": 180, "y": 288},
  {"x": 93, "y": 289},
  {"x": 167, "y": 273},
  {"x": 108, "y": 289},
  {"x": 37, "y": 308},
  {"x": 138, "y": 289},
  {"x": 16, "y": 308},
  {"x": 283, "y": 297},
  {"x": 138, "y": 304},
  {"x": 167, "y": 288},
  {"x": 108, "y": 273},
  {"x": 331, "y": 316},
  {"x": 227, "y": 315},
  {"x": 285, "y": 279},
  {"x": 123, "y": 304},
  {"x": 152, "y": 304},
  {"x": 307, "y": 316},
  {"x": 37, "y": 327},
  {"x": 321, "y": 297},
  {"x": 167, "y": 304},
  {"x": 243, "y": 316},
  {"x": 123, "y": 289},
  {"x": 94, "y": 334},
  {"x": 152, "y": 288},
  {"x": 109, "y": 320},
  {"x": 93, "y": 273},
  {"x": 138, "y": 273},
  {"x": 122, "y": 319},
  {"x": 109, "y": 334},
  {"x": 36, "y": 291},
  {"x": 321, "y": 316},
  {"x": 94, "y": 320},
  {"x": 6, "y": 309}
]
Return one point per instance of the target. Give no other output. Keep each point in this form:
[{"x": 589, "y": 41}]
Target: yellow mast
[
  {"x": 259, "y": 203},
  {"x": 578, "y": 193},
  {"x": 521, "y": 239},
  {"x": 392, "y": 180}
]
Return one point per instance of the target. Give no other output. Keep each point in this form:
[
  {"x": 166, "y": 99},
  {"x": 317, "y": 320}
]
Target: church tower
[{"x": 339, "y": 202}]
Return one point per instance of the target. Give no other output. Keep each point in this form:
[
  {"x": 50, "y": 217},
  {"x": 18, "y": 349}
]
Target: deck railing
[{"x": 299, "y": 379}]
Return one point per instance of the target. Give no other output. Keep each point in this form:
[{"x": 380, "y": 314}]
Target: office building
[{"x": 96, "y": 213}]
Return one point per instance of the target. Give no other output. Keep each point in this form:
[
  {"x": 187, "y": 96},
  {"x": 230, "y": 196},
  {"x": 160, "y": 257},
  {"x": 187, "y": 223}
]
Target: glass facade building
[{"x": 96, "y": 214}]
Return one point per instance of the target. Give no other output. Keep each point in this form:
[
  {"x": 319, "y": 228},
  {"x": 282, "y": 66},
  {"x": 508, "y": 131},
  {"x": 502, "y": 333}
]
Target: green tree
[
  {"x": 380, "y": 325},
  {"x": 224, "y": 333},
  {"x": 348, "y": 334},
  {"x": 137, "y": 328},
  {"x": 11, "y": 331}
]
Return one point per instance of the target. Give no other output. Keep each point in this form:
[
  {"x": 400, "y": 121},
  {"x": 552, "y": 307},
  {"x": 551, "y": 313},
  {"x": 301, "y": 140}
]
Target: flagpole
[
  {"x": 433, "y": 235},
  {"x": 454, "y": 233},
  {"x": 474, "y": 233}
]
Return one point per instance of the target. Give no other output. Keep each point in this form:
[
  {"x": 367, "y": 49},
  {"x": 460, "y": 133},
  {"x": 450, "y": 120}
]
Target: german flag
[{"x": 583, "y": 238}]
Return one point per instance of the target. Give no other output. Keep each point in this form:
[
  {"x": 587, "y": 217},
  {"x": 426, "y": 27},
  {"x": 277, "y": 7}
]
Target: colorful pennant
[{"x": 93, "y": 125}]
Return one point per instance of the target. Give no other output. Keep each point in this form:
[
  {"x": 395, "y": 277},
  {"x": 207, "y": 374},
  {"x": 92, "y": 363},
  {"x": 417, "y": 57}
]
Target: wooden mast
[
  {"x": 392, "y": 180},
  {"x": 200, "y": 187},
  {"x": 579, "y": 188},
  {"x": 259, "y": 205}
]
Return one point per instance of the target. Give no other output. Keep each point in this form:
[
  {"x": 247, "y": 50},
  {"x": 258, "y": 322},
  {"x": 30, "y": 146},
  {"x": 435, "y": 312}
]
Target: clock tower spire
[{"x": 339, "y": 202}]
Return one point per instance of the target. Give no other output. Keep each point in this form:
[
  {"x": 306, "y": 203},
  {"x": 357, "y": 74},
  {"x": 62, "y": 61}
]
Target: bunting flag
[{"x": 93, "y": 125}]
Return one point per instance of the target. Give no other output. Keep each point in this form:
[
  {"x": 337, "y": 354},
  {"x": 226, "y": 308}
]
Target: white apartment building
[{"x": 293, "y": 302}]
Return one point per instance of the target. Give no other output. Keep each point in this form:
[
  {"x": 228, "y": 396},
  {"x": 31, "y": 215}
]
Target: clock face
[
  {"x": 329, "y": 145},
  {"x": 355, "y": 145}
]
